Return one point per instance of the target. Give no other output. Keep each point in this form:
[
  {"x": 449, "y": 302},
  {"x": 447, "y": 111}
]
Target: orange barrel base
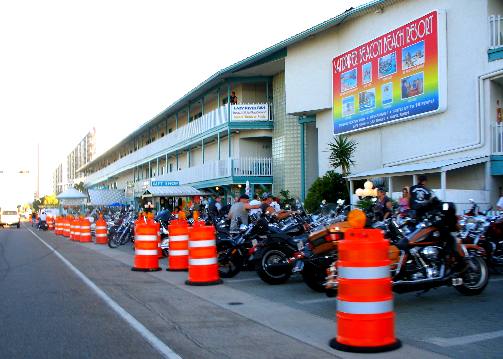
[
  {"x": 215, "y": 282},
  {"x": 146, "y": 269},
  {"x": 177, "y": 270},
  {"x": 352, "y": 349}
]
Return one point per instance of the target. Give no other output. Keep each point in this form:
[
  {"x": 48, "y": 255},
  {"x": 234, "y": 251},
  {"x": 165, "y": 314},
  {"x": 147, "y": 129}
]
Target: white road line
[
  {"x": 230, "y": 280},
  {"x": 319, "y": 300},
  {"x": 140, "y": 328},
  {"x": 467, "y": 339}
]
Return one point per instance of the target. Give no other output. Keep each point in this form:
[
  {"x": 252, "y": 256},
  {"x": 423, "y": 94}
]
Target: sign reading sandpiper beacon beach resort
[{"x": 391, "y": 78}]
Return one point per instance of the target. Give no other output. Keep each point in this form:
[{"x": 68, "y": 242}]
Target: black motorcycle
[{"x": 284, "y": 239}]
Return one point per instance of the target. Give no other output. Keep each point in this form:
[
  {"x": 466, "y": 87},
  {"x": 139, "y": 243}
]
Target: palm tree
[
  {"x": 341, "y": 153},
  {"x": 80, "y": 187}
]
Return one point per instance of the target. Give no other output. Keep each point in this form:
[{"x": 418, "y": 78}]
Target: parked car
[{"x": 10, "y": 217}]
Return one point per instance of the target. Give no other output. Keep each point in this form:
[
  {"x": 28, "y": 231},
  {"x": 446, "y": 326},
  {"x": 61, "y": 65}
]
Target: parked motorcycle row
[{"x": 440, "y": 249}]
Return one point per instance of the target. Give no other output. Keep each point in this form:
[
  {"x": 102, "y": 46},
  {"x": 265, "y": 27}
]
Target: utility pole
[{"x": 38, "y": 172}]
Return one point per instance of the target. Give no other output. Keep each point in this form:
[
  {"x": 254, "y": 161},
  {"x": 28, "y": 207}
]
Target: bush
[{"x": 331, "y": 187}]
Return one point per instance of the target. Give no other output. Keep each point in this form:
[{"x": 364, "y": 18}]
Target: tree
[
  {"x": 330, "y": 187},
  {"x": 36, "y": 205},
  {"x": 50, "y": 200},
  {"x": 341, "y": 153},
  {"x": 80, "y": 187}
]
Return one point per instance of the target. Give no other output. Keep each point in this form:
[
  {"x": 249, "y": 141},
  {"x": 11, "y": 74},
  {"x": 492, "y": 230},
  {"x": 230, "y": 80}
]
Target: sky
[{"x": 67, "y": 66}]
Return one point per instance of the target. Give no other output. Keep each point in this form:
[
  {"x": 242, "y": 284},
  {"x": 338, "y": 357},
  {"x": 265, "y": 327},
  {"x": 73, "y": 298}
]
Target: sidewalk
[{"x": 297, "y": 324}]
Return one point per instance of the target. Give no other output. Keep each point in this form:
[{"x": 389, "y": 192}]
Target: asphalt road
[{"x": 49, "y": 312}]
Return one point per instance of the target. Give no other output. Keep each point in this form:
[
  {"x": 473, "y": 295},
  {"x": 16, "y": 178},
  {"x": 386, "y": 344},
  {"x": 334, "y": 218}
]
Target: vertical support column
[
  {"x": 351, "y": 191},
  {"x": 218, "y": 145},
  {"x": 443, "y": 184},
  {"x": 188, "y": 113},
  {"x": 414, "y": 180},
  {"x": 176, "y": 122},
  {"x": 166, "y": 127},
  {"x": 149, "y": 170},
  {"x": 302, "y": 163},
  {"x": 177, "y": 167},
  {"x": 188, "y": 158},
  {"x": 229, "y": 119},
  {"x": 166, "y": 164},
  {"x": 267, "y": 99},
  {"x": 218, "y": 98},
  {"x": 202, "y": 150},
  {"x": 157, "y": 169},
  {"x": 390, "y": 185},
  {"x": 202, "y": 106}
]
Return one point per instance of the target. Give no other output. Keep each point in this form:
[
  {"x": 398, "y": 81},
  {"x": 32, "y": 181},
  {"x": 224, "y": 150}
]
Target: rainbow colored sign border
[{"x": 395, "y": 77}]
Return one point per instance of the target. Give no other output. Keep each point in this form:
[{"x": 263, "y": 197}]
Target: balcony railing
[
  {"x": 256, "y": 167},
  {"x": 217, "y": 117},
  {"x": 497, "y": 139},
  {"x": 495, "y": 28}
]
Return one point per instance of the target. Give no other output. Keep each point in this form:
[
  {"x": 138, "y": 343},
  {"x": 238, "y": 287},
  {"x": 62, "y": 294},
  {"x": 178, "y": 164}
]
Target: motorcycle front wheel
[
  {"x": 474, "y": 279},
  {"x": 229, "y": 261},
  {"x": 314, "y": 276},
  {"x": 274, "y": 267}
]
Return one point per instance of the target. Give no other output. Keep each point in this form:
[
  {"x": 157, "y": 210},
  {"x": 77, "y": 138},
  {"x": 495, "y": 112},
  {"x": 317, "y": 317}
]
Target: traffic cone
[
  {"x": 178, "y": 259},
  {"x": 203, "y": 263},
  {"x": 145, "y": 248},
  {"x": 101, "y": 236}
]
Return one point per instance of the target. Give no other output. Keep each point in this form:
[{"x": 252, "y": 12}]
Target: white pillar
[
  {"x": 443, "y": 184},
  {"x": 390, "y": 185},
  {"x": 414, "y": 180}
]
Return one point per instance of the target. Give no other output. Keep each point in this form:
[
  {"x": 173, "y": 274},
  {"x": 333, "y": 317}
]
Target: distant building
[{"x": 66, "y": 174}]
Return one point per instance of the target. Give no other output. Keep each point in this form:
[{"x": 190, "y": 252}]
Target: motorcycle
[
  {"x": 272, "y": 255},
  {"x": 485, "y": 231},
  {"x": 430, "y": 256}
]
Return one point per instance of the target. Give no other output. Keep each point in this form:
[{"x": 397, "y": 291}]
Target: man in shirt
[
  {"x": 420, "y": 196},
  {"x": 255, "y": 201},
  {"x": 239, "y": 212}
]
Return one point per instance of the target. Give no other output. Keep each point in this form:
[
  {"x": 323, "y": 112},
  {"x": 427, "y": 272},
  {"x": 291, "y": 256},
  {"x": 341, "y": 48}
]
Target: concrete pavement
[{"x": 246, "y": 318}]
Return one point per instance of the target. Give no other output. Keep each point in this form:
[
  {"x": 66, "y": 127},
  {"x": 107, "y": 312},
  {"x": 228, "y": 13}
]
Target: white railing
[
  {"x": 252, "y": 167},
  {"x": 157, "y": 148},
  {"x": 496, "y": 36},
  {"x": 497, "y": 139},
  {"x": 257, "y": 167}
]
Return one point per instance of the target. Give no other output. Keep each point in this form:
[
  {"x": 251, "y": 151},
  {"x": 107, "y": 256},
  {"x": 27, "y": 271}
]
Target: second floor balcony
[
  {"x": 217, "y": 173},
  {"x": 235, "y": 117}
]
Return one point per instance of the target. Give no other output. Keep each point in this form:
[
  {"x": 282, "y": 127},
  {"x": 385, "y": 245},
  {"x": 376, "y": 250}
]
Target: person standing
[
  {"x": 384, "y": 207},
  {"x": 420, "y": 196},
  {"x": 239, "y": 212},
  {"x": 403, "y": 202},
  {"x": 255, "y": 201}
]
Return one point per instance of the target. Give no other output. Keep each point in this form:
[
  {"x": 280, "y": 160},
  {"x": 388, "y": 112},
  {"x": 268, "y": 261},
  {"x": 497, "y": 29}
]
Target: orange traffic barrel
[
  {"x": 50, "y": 223},
  {"x": 73, "y": 225},
  {"x": 178, "y": 258},
  {"x": 60, "y": 226},
  {"x": 145, "y": 248},
  {"x": 365, "y": 317},
  {"x": 203, "y": 263},
  {"x": 85, "y": 230},
  {"x": 101, "y": 231},
  {"x": 66, "y": 228},
  {"x": 56, "y": 225}
]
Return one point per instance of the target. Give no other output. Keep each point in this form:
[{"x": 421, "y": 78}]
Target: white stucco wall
[{"x": 444, "y": 135}]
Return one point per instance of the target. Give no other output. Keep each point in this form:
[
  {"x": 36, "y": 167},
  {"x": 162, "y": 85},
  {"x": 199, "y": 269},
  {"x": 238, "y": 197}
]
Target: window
[{"x": 170, "y": 130}]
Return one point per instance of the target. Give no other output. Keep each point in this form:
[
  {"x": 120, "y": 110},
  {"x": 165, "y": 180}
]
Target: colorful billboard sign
[
  {"x": 252, "y": 112},
  {"x": 392, "y": 78}
]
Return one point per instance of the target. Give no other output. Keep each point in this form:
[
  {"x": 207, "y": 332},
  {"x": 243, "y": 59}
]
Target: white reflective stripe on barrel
[
  {"x": 145, "y": 238},
  {"x": 363, "y": 272},
  {"x": 101, "y": 227},
  {"x": 179, "y": 252},
  {"x": 101, "y": 234},
  {"x": 201, "y": 261},
  {"x": 365, "y": 307},
  {"x": 180, "y": 238},
  {"x": 199, "y": 244},
  {"x": 146, "y": 252}
]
